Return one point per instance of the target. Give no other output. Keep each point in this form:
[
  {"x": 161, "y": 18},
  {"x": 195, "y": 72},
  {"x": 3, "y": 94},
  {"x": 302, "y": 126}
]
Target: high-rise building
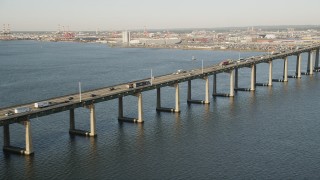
[{"x": 126, "y": 37}]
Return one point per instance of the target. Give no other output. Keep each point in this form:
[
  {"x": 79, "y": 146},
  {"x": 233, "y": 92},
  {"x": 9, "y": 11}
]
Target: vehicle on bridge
[
  {"x": 240, "y": 59},
  {"x": 9, "y": 113},
  {"x": 42, "y": 104},
  {"x": 21, "y": 110},
  {"x": 139, "y": 84},
  {"x": 179, "y": 71},
  {"x": 226, "y": 62}
]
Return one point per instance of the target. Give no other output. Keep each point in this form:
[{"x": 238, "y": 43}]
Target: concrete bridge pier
[
  {"x": 177, "y": 100},
  {"x": 310, "y": 64},
  {"x": 214, "y": 89},
  {"x": 236, "y": 81},
  {"x": 6, "y": 135},
  {"x": 309, "y": 58},
  {"x": 92, "y": 132},
  {"x": 120, "y": 107},
  {"x": 269, "y": 83},
  {"x": 28, "y": 150},
  {"x": 236, "y": 78},
  {"x": 29, "y": 147},
  {"x": 92, "y": 120},
  {"x": 270, "y": 73},
  {"x": 189, "y": 91},
  {"x": 316, "y": 66},
  {"x": 72, "y": 120},
  {"x": 158, "y": 98},
  {"x": 206, "y": 101},
  {"x": 285, "y": 69},
  {"x": 177, "y": 107},
  {"x": 121, "y": 118},
  {"x": 285, "y": 72},
  {"x": 140, "y": 109},
  {"x": 232, "y": 85},
  {"x": 253, "y": 77},
  {"x": 252, "y": 80},
  {"x": 298, "y": 67}
]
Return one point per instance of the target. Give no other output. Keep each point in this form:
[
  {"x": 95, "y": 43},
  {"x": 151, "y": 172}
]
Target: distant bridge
[{"x": 88, "y": 99}]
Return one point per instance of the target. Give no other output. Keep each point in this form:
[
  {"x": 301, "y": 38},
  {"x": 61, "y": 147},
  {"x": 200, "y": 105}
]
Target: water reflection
[
  {"x": 177, "y": 123},
  {"x": 29, "y": 166},
  {"x": 298, "y": 83},
  {"x": 244, "y": 132},
  {"x": 140, "y": 140},
  {"x": 231, "y": 103},
  {"x": 93, "y": 145},
  {"x": 269, "y": 90}
]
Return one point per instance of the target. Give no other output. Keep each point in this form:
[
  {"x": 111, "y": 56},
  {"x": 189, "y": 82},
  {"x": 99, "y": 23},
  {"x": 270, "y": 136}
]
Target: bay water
[{"x": 272, "y": 133}]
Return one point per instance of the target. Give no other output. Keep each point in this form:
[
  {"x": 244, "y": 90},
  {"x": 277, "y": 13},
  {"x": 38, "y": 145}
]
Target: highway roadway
[
  {"x": 72, "y": 101},
  {"x": 102, "y": 92}
]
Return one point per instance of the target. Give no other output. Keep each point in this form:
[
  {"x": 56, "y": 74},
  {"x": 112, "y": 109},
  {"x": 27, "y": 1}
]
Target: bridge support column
[
  {"x": 120, "y": 107},
  {"x": 311, "y": 62},
  {"x": 92, "y": 132},
  {"x": 28, "y": 150},
  {"x": 298, "y": 66},
  {"x": 253, "y": 77},
  {"x": 207, "y": 101},
  {"x": 29, "y": 147},
  {"x": 255, "y": 74},
  {"x": 6, "y": 136},
  {"x": 316, "y": 66},
  {"x": 177, "y": 101},
  {"x": 285, "y": 70},
  {"x": 158, "y": 98},
  {"x": 72, "y": 120},
  {"x": 177, "y": 107},
  {"x": 231, "y": 83},
  {"x": 189, "y": 91},
  {"x": 121, "y": 118},
  {"x": 236, "y": 79},
  {"x": 214, "y": 84},
  {"x": 140, "y": 109},
  {"x": 270, "y": 73},
  {"x": 92, "y": 121}
]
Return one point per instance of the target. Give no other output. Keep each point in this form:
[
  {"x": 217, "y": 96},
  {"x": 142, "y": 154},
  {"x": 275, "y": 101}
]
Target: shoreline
[
  {"x": 206, "y": 47},
  {"x": 187, "y": 48}
]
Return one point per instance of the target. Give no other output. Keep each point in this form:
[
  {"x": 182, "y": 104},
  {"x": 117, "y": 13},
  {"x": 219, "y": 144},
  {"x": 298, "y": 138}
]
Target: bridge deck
[{"x": 63, "y": 103}]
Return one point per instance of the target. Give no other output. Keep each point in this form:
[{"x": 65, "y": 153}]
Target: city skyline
[{"x": 84, "y": 15}]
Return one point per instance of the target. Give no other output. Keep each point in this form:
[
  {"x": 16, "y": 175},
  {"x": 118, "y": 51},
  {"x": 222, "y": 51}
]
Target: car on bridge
[
  {"x": 225, "y": 62},
  {"x": 9, "y": 113},
  {"x": 275, "y": 52},
  {"x": 21, "y": 110},
  {"x": 138, "y": 84}
]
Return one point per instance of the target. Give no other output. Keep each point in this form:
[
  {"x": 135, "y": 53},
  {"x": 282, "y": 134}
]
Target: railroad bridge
[{"x": 88, "y": 99}]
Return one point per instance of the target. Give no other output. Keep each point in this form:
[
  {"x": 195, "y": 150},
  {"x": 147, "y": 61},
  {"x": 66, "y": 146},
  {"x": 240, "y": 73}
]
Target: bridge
[{"x": 88, "y": 99}]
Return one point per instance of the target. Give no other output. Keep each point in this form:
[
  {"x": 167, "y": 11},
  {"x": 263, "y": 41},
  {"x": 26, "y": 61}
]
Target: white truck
[
  {"x": 21, "y": 110},
  {"x": 41, "y": 104}
]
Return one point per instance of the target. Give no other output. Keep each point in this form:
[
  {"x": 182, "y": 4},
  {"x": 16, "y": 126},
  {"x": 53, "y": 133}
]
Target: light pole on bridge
[
  {"x": 202, "y": 65},
  {"x": 80, "y": 91},
  {"x": 151, "y": 77}
]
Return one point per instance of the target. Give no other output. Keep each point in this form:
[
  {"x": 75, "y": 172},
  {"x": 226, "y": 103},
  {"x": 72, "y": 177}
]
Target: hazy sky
[{"x": 164, "y": 14}]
